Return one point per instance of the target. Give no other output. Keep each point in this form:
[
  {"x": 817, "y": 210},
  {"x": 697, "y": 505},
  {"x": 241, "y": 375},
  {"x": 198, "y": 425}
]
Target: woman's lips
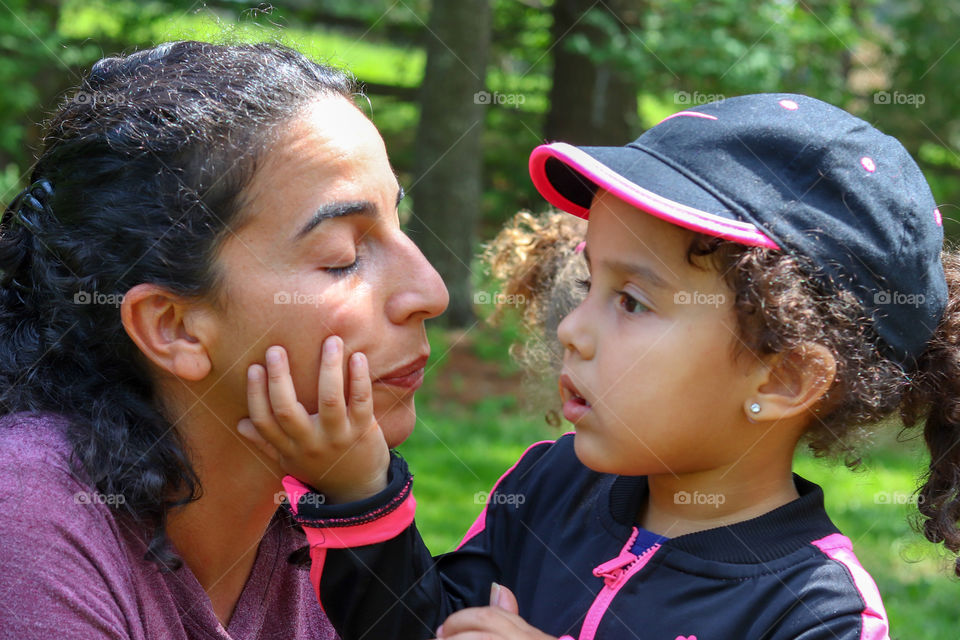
[
  {"x": 409, "y": 376},
  {"x": 575, "y": 406}
]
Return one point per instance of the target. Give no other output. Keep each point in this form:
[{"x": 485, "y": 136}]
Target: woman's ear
[
  {"x": 168, "y": 330},
  {"x": 795, "y": 382}
]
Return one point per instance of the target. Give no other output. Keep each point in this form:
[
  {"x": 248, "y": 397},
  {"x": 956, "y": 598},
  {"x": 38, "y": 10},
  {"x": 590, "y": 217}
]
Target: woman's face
[{"x": 320, "y": 252}]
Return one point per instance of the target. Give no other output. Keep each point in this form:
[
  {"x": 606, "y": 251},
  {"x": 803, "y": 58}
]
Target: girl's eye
[
  {"x": 629, "y": 303},
  {"x": 339, "y": 272},
  {"x": 583, "y": 284}
]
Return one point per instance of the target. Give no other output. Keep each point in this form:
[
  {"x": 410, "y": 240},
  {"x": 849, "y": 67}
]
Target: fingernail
[
  {"x": 273, "y": 356},
  {"x": 331, "y": 346},
  {"x": 494, "y": 594},
  {"x": 440, "y": 631},
  {"x": 253, "y": 373}
]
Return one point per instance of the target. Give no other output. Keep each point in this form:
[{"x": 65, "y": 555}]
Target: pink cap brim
[{"x": 635, "y": 195}]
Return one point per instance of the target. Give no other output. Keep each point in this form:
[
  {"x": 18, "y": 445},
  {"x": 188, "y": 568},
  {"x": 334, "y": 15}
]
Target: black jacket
[{"x": 558, "y": 535}]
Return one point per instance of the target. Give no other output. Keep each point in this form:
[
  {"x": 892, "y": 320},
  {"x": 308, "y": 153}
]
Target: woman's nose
[{"x": 420, "y": 292}]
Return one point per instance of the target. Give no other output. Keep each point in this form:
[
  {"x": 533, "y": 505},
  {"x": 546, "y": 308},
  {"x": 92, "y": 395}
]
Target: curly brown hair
[{"x": 781, "y": 303}]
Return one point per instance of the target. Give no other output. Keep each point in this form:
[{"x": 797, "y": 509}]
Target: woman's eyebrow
[
  {"x": 340, "y": 209},
  {"x": 337, "y": 210}
]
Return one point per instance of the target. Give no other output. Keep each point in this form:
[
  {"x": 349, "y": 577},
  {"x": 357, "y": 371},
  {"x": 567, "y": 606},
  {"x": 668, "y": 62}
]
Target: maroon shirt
[{"x": 72, "y": 568}]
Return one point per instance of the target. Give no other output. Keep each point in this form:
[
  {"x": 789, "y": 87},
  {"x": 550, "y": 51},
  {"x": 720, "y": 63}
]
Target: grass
[{"x": 458, "y": 451}]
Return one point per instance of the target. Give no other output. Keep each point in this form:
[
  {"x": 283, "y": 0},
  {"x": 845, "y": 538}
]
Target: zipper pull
[{"x": 611, "y": 570}]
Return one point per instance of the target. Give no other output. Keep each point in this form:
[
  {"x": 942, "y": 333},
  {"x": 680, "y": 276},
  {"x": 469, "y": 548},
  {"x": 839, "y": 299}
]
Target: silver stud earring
[{"x": 755, "y": 407}]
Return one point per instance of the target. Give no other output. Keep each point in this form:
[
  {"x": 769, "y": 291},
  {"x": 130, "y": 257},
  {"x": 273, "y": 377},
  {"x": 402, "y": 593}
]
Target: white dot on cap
[
  {"x": 868, "y": 164},
  {"x": 789, "y": 104}
]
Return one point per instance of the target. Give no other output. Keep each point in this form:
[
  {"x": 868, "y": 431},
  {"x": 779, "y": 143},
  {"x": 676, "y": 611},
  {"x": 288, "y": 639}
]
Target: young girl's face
[{"x": 651, "y": 353}]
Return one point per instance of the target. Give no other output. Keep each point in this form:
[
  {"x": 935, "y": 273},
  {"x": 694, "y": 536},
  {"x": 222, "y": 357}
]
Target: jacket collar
[{"x": 769, "y": 536}]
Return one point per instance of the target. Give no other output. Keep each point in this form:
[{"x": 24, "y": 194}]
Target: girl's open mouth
[{"x": 575, "y": 406}]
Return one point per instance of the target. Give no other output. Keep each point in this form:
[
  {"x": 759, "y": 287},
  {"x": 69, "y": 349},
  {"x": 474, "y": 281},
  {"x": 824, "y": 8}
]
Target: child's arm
[{"x": 372, "y": 573}]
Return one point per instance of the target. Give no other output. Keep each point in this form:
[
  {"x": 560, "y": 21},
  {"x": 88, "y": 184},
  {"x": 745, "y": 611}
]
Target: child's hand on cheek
[
  {"x": 499, "y": 621},
  {"x": 340, "y": 450}
]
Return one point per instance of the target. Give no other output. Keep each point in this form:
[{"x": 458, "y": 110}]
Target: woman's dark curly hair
[
  {"x": 147, "y": 162},
  {"x": 781, "y": 302}
]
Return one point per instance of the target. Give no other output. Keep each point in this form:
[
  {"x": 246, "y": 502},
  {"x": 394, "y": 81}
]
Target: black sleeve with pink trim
[{"x": 372, "y": 572}]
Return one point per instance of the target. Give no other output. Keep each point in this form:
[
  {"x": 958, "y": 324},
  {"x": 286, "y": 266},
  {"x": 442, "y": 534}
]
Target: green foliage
[
  {"x": 685, "y": 51},
  {"x": 26, "y": 40},
  {"x": 719, "y": 49},
  {"x": 917, "y": 102},
  {"x": 149, "y": 24}
]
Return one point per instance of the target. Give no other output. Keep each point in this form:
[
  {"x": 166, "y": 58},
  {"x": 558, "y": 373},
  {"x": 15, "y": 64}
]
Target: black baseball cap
[{"x": 786, "y": 172}]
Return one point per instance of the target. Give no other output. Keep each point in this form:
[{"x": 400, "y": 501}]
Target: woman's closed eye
[{"x": 345, "y": 270}]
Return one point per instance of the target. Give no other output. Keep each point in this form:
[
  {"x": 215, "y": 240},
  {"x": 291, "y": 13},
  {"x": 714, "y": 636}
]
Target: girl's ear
[
  {"x": 795, "y": 383},
  {"x": 168, "y": 330}
]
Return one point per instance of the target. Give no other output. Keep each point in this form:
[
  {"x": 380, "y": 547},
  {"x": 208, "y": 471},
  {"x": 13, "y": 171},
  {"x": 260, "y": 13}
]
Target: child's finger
[
  {"x": 330, "y": 402},
  {"x": 249, "y": 431},
  {"x": 501, "y": 596},
  {"x": 361, "y": 391},
  {"x": 258, "y": 404},
  {"x": 474, "y": 619},
  {"x": 492, "y": 621},
  {"x": 290, "y": 414}
]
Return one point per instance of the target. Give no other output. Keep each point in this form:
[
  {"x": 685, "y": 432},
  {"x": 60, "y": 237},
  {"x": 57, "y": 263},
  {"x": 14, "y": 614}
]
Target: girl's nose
[
  {"x": 575, "y": 332},
  {"x": 420, "y": 293}
]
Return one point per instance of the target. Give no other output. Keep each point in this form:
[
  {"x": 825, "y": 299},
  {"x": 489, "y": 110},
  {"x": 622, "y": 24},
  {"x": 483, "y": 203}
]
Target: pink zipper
[{"x": 615, "y": 574}]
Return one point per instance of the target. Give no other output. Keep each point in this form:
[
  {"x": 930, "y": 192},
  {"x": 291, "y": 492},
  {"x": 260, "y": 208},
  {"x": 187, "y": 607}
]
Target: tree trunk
[
  {"x": 448, "y": 159},
  {"x": 590, "y": 104}
]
